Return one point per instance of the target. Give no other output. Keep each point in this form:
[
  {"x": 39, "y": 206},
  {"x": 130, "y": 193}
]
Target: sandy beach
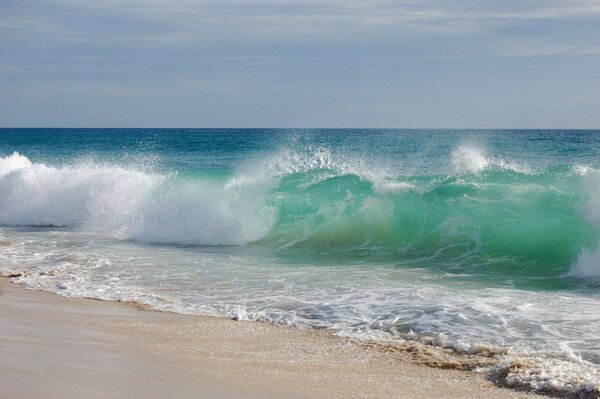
[{"x": 56, "y": 347}]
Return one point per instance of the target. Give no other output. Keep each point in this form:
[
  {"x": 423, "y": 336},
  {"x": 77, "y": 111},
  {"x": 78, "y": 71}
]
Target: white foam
[
  {"x": 132, "y": 204},
  {"x": 550, "y": 374},
  {"x": 587, "y": 264},
  {"x": 13, "y": 162},
  {"x": 469, "y": 159},
  {"x": 393, "y": 187}
]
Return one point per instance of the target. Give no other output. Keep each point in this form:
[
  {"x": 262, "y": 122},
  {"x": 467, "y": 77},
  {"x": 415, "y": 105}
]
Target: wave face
[
  {"x": 486, "y": 216},
  {"x": 479, "y": 242}
]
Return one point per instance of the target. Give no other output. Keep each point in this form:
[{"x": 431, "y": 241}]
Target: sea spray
[{"x": 131, "y": 204}]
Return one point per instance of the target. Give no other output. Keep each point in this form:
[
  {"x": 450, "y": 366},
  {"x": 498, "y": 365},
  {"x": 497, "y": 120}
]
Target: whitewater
[{"x": 485, "y": 243}]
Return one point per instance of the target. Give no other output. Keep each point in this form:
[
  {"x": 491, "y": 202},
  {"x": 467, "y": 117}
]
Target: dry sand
[{"x": 55, "y": 347}]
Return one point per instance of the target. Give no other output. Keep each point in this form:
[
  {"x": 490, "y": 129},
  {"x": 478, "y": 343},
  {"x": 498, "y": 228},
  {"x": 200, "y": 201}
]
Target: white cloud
[
  {"x": 368, "y": 54},
  {"x": 363, "y": 11},
  {"x": 168, "y": 22}
]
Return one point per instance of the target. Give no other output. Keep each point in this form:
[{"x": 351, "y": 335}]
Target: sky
[{"x": 294, "y": 64}]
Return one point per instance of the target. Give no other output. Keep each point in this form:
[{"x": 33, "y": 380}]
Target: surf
[{"x": 488, "y": 215}]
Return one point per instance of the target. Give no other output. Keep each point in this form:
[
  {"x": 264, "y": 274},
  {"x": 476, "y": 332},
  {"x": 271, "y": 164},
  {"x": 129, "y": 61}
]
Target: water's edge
[{"x": 487, "y": 361}]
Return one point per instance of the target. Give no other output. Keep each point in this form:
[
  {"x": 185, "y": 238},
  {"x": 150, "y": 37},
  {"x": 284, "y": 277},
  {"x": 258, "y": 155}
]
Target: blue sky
[{"x": 314, "y": 63}]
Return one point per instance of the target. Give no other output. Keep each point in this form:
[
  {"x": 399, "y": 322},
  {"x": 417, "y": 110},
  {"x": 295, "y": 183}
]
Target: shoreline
[{"x": 59, "y": 347}]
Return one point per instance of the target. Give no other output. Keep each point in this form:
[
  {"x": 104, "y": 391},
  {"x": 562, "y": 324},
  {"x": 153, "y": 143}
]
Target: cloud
[
  {"x": 315, "y": 12},
  {"x": 184, "y": 22},
  {"x": 370, "y": 55},
  {"x": 312, "y": 24}
]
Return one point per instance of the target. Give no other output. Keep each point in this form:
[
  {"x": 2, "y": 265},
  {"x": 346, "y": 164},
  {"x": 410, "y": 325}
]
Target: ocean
[{"x": 481, "y": 242}]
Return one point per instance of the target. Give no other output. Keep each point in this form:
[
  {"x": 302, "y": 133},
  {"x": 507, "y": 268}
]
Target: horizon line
[{"x": 292, "y": 128}]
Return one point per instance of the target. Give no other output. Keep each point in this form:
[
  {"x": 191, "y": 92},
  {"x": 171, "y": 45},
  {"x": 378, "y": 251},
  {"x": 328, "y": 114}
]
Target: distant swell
[{"x": 488, "y": 212}]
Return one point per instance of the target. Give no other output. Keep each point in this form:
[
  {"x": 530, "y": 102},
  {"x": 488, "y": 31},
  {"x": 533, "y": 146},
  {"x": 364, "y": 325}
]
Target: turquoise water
[{"x": 472, "y": 237}]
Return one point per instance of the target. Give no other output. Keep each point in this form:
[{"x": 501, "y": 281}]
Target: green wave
[{"x": 495, "y": 221}]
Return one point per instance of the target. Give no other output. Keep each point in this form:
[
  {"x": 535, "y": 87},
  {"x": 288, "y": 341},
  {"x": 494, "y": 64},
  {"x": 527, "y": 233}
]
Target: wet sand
[{"x": 55, "y": 347}]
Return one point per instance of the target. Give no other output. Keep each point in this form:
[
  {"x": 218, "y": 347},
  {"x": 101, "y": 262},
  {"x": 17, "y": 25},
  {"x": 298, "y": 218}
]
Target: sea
[{"x": 483, "y": 243}]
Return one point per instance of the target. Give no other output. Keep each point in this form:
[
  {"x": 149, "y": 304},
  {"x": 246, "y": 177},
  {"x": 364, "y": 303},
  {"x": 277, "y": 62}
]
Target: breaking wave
[{"x": 486, "y": 213}]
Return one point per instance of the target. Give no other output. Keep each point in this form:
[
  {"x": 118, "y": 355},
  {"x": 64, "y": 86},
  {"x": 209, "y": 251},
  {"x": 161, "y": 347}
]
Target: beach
[{"x": 56, "y": 347}]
